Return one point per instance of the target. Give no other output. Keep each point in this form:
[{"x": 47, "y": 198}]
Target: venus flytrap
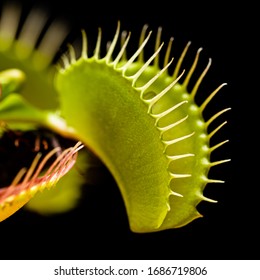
[
  {"x": 20, "y": 191},
  {"x": 145, "y": 126},
  {"x": 136, "y": 116},
  {"x": 28, "y": 104}
]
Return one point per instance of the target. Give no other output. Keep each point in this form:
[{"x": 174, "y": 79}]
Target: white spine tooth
[{"x": 163, "y": 92}]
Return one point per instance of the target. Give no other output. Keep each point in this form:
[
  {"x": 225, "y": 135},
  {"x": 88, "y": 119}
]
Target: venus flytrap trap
[
  {"x": 21, "y": 190},
  {"x": 138, "y": 117},
  {"x": 29, "y": 110}
]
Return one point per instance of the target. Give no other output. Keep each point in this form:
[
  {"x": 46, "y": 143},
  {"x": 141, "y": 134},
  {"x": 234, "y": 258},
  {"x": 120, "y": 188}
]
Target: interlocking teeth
[
  {"x": 154, "y": 100},
  {"x": 135, "y": 55},
  {"x": 29, "y": 36},
  {"x": 175, "y": 113},
  {"x": 27, "y": 179},
  {"x": 144, "y": 67},
  {"x": 30, "y": 33}
]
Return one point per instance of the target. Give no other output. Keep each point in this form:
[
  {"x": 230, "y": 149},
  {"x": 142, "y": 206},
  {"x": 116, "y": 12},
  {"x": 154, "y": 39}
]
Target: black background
[{"x": 98, "y": 228}]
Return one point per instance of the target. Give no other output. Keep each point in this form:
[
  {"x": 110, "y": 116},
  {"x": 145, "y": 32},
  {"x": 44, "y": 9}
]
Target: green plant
[{"x": 131, "y": 112}]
